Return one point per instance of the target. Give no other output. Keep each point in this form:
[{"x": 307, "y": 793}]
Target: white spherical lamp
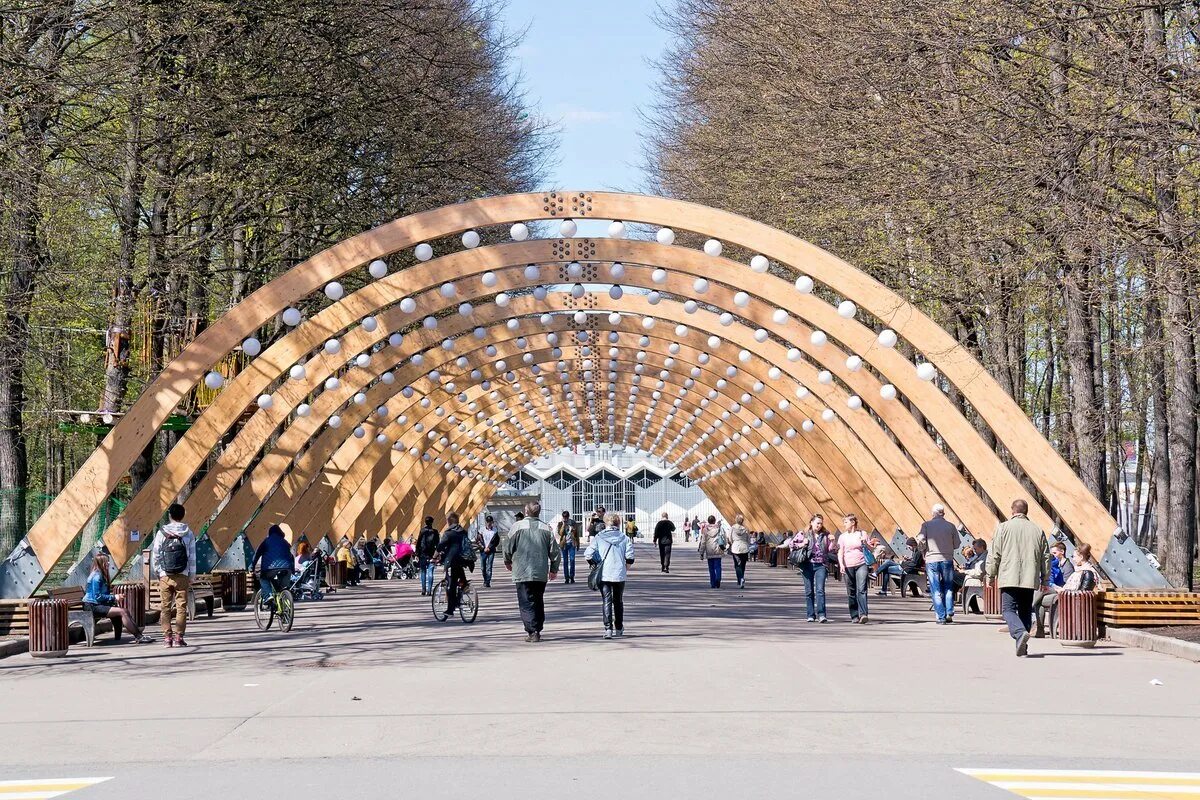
[
  {"x": 654, "y": 298},
  {"x": 825, "y": 377},
  {"x": 251, "y": 347},
  {"x": 568, "y": 228},
  {"x": 760, "y": 335},
  {"x": 532, "y": 273},
  {"x": 780, "y": 317},
  {"x": 369, "y": 324},
  {"x": 726, "y": 319},
  {"x": 713, "y": 248},
  {"x": 488, "y": 279},
  {"x": 616, "y": 293},
  {"x": 616, "y": 229},
  {"x": 808, "y": 425},
  {"x": 291, "y": 317},
  {"x": 854, "y": 363},
  {"x": 665, "y": 236},
  {"x": 503, "y": 300},
  {"x": 818, "y": 338},
  {"x": 303, "y": 410},
  {"x": 297, "y": 372},
  {"x": 265, "y": 401},
  {"x": 408, "y": 305},
  {"x": 423, "y": 252},
  {"x": 614, "y": 318},
  {"x": 574, "y": 270},
  {"x": 887, "y": 338},
  {"x": 887, "y": 391},
  {"x": 926, "y": 371},
  {"x": 332, "y": 384},
  {"x": 854, "y": 402},
  {"x": 804, "y": 284},
  {"x": 741, "y": 299},
  {"x": 519, "y": 232},
  {"x": 847, "y": 309},
  {"x": 448, "y": 290},
  {"x": 333, "y": 347},
  {"x": 760, "y": 263},
  {"x": 335, "y": 421},
  {"x": 577, "y": 291},
  {"x": 377, "y": 268},
  {"x": 334, "y": 291},
  {"x": 794, "y": 354},
  {"x": 617, "y": 270},
  {"x": 700, "y": 285},
  {"x": 470, "y": 239},
  {"x": 214, "y": 380},
  {"x": 362, "y": 360},
  {"x": 659, "y": 276},
  {"x": 429, "y": 323},
  {"x": 828, "y": 415},
  {"x": 360, "y": 432}
]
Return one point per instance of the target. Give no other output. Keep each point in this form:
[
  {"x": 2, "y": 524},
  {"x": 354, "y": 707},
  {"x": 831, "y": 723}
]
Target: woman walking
[
  {"x": 739, "y": 546},
  {"x": 712, "y": 547},
  {"x": 613, "y": 551},
  {"x": 853, "y": 561},
  {"x": 822, "y": 549}
]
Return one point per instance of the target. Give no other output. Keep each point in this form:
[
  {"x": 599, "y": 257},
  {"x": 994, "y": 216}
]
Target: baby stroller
[
  {"x": 404, "y": 563},
  {"x": 306, "y": 584}
]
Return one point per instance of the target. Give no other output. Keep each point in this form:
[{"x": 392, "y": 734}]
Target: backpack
[
  {"x": 467, "y": 550},
  {"x": 173, "y": 555}
]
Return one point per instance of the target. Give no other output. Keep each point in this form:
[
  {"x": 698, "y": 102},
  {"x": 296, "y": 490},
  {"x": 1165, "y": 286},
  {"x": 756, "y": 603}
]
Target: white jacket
[
  {"x": 615, "y": 548},
  {"x": 181, "y": 530}
]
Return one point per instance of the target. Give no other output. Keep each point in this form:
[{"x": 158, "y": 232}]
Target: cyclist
[
  {"x": 276, "y": 556},
  {"x": 455, "y": 552}
]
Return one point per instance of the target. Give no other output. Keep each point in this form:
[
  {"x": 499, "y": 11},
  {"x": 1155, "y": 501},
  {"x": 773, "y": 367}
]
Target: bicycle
[
  {"x": 468, "y": 600},
  {"x": 280, "y": 604}
]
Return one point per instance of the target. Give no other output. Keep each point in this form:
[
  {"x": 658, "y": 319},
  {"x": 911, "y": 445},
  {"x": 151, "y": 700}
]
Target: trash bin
[
  {"x": 48, "y": 636},
  {"x": 133, "y": 600},
  {"x": 235, "y": 593},
  {"x": 1078, "y": 620},
  {"x": 991, "y": 600}
]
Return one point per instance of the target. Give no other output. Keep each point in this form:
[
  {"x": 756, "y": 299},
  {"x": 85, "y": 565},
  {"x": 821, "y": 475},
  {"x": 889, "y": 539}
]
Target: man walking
[
  {"x": 427, "y": 542},
  {"x": 938, "y": 537},
  {"x": 531, "y": 554},
  {"x": 487, "y": 540},
  {"x": 1019, "y": 563},
  {"x": 173, "y": 559},
  {"x": 567, "y": 534},
  {"x": 664, "y": 536}
]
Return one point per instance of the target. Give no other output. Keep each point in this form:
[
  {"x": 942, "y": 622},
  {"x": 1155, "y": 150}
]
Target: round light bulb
[
  {"x": 291, "y": 317},
  {"x": 665, "y": 236},
  {"x": 423, "y": 252}
]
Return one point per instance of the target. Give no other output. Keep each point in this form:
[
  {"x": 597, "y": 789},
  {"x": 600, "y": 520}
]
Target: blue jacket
[
  {"x": 275, "y": 553},
  {"x": 96, "y": 591}
]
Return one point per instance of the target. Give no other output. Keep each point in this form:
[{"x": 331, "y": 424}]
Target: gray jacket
[
  {"x": 181, "y": 530},
  {"x": 532, "y": 551},
  {"x": 939, "y": 537},
  {"x": 1019, "y": 555}
]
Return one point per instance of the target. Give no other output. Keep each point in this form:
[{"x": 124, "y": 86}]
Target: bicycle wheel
[
  {"x": 287, "y": 610},
  {"x": 441, "y": 603},
  {"x": 264, "y": 612},
  {"x": 468, "y": 606}
]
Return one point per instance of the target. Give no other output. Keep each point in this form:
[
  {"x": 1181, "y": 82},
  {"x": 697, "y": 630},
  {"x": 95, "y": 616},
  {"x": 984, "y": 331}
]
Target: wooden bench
[
  {"x": 77, "y": 613},
  {"x": 1149, "y": 607},
  {"x": 14, "y": 617}
]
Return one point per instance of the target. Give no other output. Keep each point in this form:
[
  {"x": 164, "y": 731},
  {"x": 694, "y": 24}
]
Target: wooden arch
[{"x": 1063, "y": 494}]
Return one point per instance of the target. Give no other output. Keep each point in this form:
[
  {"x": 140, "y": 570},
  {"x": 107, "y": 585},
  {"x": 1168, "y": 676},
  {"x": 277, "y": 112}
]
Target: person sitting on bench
[
  {"x": 99, "y": 600},
  {"x": 1082, "y": 576}
]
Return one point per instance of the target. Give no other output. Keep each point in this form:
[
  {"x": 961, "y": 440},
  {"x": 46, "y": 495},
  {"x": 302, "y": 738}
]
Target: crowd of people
[{"x": 1029, "y": 572}]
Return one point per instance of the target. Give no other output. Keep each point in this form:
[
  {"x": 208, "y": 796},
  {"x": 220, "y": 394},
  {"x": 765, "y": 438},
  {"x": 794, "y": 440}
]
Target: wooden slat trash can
[
  {"x": 1078, "y": 619},
  {"x": 991, "y": 600},
  {"x": 234, "y": 589},
  {"x": 48, "y": 633},
  {"x": 133, "y": 600}
]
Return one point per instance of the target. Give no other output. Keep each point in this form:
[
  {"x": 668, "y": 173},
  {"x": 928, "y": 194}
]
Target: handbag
[
  {"x": 801, "y": 555},
  {"x": 596, "y": 572},
  {"x": 868, "y": 556}
]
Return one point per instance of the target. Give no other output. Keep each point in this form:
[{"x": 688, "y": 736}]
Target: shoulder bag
[
  {"x": 868, "y": 556},
  {"x": 596, "y": 573}
]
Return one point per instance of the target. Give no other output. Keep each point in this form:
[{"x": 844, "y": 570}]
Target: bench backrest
[{"x": 72, "y": 594}]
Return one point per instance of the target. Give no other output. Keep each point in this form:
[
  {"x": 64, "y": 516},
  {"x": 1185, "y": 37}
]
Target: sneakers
[
  {"x": 143, "y": 639},
  {"x": 179, "y": 642},
  {"x": 881, "y": 593},
  {"x": 812, "y": 619},
  {"x": 863, "y": 620},
  {"x": 537, "y": 636},
  {"x": 1023, "y": 644},
  {"x": 169, "y": 639},
  {"x": 824, "y": 620},
  {"x": 619, "y": 632},
  {"x": 529, "y": 637},
  {"x": 608, "y": 634},
  {"x": 950, "y": 619}
]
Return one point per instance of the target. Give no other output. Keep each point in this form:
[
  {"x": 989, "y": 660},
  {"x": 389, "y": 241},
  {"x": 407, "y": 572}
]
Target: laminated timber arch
[{"x": 771, "y": 321}]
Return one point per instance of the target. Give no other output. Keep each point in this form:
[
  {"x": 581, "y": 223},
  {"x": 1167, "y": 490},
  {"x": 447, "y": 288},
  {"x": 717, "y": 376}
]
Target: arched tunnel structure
[{"x": 785, "y": 381}]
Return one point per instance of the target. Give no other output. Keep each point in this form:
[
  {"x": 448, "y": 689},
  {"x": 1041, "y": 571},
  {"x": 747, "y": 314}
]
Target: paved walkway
[{"x": 711, "y": 692}]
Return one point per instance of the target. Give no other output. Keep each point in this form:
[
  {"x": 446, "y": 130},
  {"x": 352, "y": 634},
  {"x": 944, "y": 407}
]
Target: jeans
[
  {"x": 856, "y": 589},
  {"x": 941, "y": 586},
  {"x": 426, "y": 570},
  {"x": 612, "y": 596},
  {"x": 271, "y": 580},
  {"x": 884, "y": 573},
  {"x": 664, "y": 554},
  {"x": 714, "y": 573},
  {"x": 485, "y": 567},
  {"x": 1016, "y": 606},
  {"x": 739, "y": 567},
  {"x": 531, "y": 596},
  {"x": 568, "y": 563},
  {"x": 814, "y": 588}
]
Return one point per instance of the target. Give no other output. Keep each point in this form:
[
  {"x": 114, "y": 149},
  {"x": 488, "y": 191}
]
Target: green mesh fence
[{"x": 12, "y": 529}]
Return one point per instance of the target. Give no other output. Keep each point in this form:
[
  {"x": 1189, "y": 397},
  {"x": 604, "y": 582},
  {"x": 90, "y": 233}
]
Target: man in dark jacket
[
  {"x": 454, "y": 551},
  {"x": 275, "y": 555},
  {"x": 426, "y": 547},
  {"x": 664, "y": 535}
]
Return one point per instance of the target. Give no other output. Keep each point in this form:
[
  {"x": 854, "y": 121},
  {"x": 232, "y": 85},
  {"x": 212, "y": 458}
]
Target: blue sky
[{"x": 586, "y": 67}]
